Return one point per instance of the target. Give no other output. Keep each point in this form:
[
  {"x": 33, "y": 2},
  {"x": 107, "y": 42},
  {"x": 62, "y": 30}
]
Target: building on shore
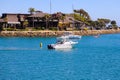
[
  {"x": 39, "y": 20},
  {"x": 13, "y": 20}
]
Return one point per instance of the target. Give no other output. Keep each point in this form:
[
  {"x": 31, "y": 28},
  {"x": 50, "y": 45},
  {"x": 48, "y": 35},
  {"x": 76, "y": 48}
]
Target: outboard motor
[{"x": 50, "y": 46}]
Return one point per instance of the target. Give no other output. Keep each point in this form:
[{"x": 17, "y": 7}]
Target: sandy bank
[{"x": 53, "y": 33}]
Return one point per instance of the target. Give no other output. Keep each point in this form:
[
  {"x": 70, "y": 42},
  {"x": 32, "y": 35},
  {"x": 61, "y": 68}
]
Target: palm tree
[
  {"x": 31, "y": 10},
  {"x": 47, "y": 17}
]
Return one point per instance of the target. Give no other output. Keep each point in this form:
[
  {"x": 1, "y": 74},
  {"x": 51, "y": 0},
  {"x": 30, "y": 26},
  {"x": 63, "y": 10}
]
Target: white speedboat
[{"x": 62, "y": 44}]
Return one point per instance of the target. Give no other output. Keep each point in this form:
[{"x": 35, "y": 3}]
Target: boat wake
[{"x": 14, "y": 49}]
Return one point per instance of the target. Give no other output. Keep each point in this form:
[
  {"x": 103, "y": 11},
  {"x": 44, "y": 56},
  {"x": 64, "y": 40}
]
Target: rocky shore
[{"x": 54, "y": 33}]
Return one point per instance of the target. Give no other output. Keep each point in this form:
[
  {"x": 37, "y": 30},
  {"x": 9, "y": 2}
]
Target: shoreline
[{"x": 55, "y": 33}]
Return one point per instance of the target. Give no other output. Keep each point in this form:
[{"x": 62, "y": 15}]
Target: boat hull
[{"x": 59, "y": 46}]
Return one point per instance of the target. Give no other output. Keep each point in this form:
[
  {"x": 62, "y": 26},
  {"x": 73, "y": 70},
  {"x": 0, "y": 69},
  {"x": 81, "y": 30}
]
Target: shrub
[{"x": 53, "y": 28}]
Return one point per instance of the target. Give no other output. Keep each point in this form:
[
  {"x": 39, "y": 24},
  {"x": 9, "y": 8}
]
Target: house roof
[
  {"x": 38, "y": 15},
  {"x": 69, "y": 19},
  {"x": 16, "y": 14},
  {"x": 12, "y": 18}
]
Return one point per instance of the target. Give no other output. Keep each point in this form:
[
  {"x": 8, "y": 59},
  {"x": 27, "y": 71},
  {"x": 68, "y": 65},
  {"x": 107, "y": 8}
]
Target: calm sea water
[{"x": 21, "y": 58}]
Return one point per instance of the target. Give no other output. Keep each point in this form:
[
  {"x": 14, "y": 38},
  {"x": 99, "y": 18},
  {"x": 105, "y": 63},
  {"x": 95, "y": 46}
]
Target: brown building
[
  {"x": 13, "y": 20},
  {"x": 39, "y": 20},
  {"x": 69, "y": 23}
]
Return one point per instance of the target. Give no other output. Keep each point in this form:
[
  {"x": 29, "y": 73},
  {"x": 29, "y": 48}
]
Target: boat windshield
[{"x": 59, "y": 41}]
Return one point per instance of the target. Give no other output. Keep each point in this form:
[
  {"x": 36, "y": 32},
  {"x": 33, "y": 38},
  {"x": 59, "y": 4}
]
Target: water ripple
[{"x": 14, "y": 48}]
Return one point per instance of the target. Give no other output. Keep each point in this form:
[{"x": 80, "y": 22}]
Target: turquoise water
[{"x": 92, "y": 58}]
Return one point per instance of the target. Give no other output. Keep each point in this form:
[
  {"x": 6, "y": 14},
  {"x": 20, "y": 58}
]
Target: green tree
[
  {"x": 83, "y": 14},
  {"x": 47, "y": 18},
  {"x": 103, "y": 22},
  {"x": 106, "y": 21},
  {"x": 31, "y": 10},
  {"x": 114, "y": 24},
  {"x": 94, "y": 24},
  {"x": 78, "y": 17}
]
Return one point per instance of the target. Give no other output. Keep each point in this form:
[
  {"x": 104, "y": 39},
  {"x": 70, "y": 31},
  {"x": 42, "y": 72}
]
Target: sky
[{"x": 96, "y": 8}]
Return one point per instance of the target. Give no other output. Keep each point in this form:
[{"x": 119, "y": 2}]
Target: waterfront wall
[{"x": 54, "y": 33}]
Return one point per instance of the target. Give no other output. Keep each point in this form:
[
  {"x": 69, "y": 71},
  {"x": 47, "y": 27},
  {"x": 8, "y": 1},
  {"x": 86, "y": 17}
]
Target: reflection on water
[{"x": 64, "y": 50}]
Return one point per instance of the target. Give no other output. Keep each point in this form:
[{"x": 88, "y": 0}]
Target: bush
[
  {"x": 10, "y": 29},
  {"x": 53, "y": 28},
  {"x": 42, "y": 28}
]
